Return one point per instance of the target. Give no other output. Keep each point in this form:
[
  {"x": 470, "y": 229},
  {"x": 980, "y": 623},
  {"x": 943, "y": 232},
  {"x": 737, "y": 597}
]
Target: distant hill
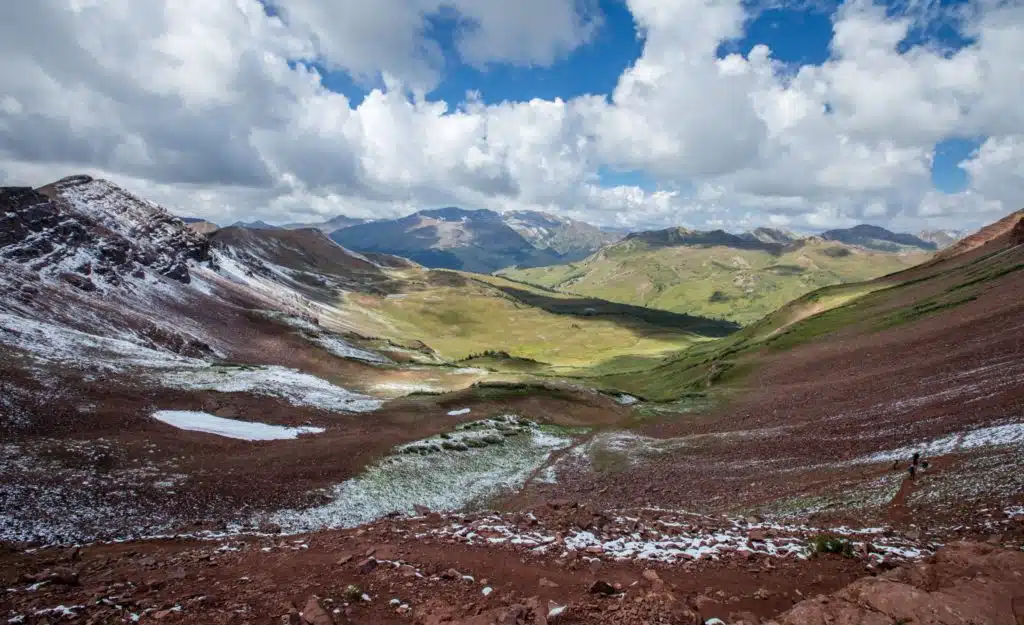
[
  {"x": 878, "y": 238},
  {"x": 739, "y": 277},
  {"x": 675, "y": 237},
  {"x": 334, "y": 223},
  {"x": 254, "y": 225},
  {"x": 571, "y": 239},
  {"x": 448, "y": 238}
]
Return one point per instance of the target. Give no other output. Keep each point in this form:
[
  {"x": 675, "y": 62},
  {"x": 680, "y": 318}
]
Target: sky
[{"x": 631, "y": 113}]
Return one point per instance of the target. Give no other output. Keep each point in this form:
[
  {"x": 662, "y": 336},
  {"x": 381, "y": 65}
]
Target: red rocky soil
[{"x": 401, "y": 572}]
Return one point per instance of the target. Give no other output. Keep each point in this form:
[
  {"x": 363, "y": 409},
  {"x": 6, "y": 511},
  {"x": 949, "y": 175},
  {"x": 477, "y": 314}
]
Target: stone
[
  {"x": 601, "y": 587},
  {"x": 78, "y": 281},
  {"x": 547, "y": 583},
  {"x": 314, "y": 613},
  {"x": 63, "y": 575},
  {"x": 367, "y": 566}
]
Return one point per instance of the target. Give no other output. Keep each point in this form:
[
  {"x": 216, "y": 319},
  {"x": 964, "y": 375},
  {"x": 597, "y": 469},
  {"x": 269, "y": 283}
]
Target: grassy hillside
[
  {"x": 740, "y": 285},
  {"x": 462, "y": 316},
  {"x": 849, "y": 310}
]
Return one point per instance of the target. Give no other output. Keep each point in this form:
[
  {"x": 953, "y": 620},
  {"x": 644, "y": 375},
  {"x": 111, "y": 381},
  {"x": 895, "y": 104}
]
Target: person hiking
[{"x": 917, "y": 457}]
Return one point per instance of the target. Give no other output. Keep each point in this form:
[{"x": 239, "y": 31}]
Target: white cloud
[
  {"x": 392, "y": 36},
  {"x": 212, "y": 107}
]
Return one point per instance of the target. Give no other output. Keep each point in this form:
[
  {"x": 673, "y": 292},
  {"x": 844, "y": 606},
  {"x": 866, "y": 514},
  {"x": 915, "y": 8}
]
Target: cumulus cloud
[{"x": 217, "y": 108}]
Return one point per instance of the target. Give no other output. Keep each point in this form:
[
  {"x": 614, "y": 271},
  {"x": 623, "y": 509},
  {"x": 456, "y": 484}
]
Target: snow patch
[
  {"x": 231, "y": 428},
  {"x": 299, "y": 389},
  {"x": 460, "y": 411},
  {"x": 441, "y": 479},
  {"x": 343, "y": 349},
  {"x": 995, "y": 436}
]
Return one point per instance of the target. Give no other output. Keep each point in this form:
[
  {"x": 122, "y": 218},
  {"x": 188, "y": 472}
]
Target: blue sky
[{"x": 796, "y": 36}]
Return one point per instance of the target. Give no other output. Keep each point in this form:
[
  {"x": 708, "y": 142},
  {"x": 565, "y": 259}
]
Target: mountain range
[
  {"x": 452, "y": 238},
  {"x": 179, "y": 407},
  {"x": 486, "y": 241}
]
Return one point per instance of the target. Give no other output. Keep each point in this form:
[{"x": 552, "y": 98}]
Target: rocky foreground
[{"x": 526, "y": 569}]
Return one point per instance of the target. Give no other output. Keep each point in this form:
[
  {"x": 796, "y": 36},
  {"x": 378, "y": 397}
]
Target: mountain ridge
[{"x": 450, "y": 238}]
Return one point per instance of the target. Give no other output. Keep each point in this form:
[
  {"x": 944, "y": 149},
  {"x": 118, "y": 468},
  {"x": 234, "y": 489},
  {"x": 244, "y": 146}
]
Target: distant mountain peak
[
  {"x": 329, "y": 225},
  {"x": 570, "y": 238},
  {"x": 259, "y": 224},
  {"x": 770, "y": 235},
  {"x": 680, "y": 236},
  {"x": 454, "y": 213},
  {"x": 878, "y": 238}
]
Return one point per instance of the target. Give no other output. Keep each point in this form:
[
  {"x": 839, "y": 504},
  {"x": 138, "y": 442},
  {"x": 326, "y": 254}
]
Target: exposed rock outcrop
[
  {"x": 963, "y": 584},
  {"x": 79, "y": 226}
]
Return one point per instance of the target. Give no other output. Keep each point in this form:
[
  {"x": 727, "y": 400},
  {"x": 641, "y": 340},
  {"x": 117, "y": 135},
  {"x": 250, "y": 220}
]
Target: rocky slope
[
  {"x": 771, "y": 235},
  {"x": 569, "y": 238},
  {"x": 1002, "y": 228},
  {"x": 963, "y": 584},
  {"x": 95, "y": 232}
]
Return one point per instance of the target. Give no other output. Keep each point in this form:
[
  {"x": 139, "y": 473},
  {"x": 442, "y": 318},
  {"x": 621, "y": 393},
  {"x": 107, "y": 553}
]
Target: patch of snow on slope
[
  {"x": 407, "y": 387},
  {"x": 299, "y": 389},
  {"x": 231, "y": 428},
  {"x": 343, "y": 349},
  {"x": 460, "y": 411},
  {"x": 52, "y": 343},
  {"x": 995, "y": 436},
  {"x": 444, "y": 480}
]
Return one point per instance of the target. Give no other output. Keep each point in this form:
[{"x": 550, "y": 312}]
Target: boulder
[{"x": 965, "y": 583}]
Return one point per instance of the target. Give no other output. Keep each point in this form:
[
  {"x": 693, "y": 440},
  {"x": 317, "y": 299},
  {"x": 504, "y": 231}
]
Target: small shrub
[
  {"x": 825, "y": 543},
  {"x": 352, "y": 593}
]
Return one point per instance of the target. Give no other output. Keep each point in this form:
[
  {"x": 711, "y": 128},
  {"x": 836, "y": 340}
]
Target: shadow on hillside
[{"x": 591, "y": 307}]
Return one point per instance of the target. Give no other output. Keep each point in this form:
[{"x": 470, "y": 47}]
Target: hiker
[
  {"x": 917, "y": 456},
  {"x": 895, "y": 465},
  {"x": 924, "y": 464}
]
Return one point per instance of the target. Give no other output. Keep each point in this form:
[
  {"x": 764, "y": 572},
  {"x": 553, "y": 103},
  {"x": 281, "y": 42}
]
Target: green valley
[{"x": 729, "y": 278}]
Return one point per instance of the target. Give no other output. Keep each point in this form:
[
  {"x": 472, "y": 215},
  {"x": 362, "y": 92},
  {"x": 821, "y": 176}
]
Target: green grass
[
  {"x": 851, "y": 309},
  {"x": 719, "y": 282},
  {"x": 465, "y": 319}
]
